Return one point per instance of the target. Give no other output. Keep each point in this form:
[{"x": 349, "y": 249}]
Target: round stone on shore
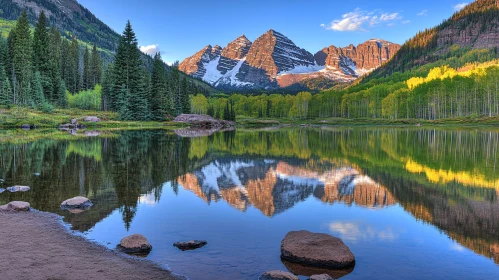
[
  {"x": 316, "y": 249},
  {"x": 277, "y": 275},
  {"x": 78, "y": 202},
  {"x": 135, "y": 244},
  {"x": 18, "y": 189},
  {"x": 18, "y": 206}
]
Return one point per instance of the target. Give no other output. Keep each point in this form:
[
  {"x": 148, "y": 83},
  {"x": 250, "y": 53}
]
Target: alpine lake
[{"x": 411, "y": 203}]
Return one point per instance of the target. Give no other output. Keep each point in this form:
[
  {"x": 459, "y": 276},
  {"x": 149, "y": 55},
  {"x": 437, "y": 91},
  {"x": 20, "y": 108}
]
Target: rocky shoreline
[{"x": 36, "y": 245}]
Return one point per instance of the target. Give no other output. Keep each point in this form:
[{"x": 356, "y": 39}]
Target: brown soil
[{"x": 35, "y": 245}]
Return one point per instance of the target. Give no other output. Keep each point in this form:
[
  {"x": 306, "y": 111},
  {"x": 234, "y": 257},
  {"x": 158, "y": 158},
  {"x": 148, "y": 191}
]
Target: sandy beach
[{"x": 36, "y": 246}]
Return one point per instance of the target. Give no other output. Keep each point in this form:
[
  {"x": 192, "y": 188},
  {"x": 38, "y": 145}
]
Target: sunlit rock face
[{"x": 274, "y": 187}]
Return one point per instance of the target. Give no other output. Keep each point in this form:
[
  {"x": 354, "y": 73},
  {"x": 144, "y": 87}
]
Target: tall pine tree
[
  {"x": 160, "y": 99},
  {"x": 128, "y": 79},
  {"x": 21, "y": 60},
  {"x": 41, "y": 55}
]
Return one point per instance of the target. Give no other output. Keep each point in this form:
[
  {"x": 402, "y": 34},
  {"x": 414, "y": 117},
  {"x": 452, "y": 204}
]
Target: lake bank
[{"x": 45, "y": 249}]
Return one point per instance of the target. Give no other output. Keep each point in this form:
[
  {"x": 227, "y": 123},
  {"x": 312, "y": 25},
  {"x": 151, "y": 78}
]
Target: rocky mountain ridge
[{"x": 273, "y": 61}]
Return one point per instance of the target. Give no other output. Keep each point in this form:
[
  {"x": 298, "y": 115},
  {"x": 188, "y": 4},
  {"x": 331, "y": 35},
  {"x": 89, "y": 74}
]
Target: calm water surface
[{"x": 410, "y": 203}]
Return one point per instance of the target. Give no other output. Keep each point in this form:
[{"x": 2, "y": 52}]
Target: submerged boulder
[
  {"x": 321, "y": 277},
  {"x": 18, "y": 189},
  {"x": 18, "y": 206},
  {"x": 135, "y": 244},
  {"x": 277, "y": 275},
  {"x": 316, "y": 249},
  {"x": 79, "y": 202},
  {"x": 190, "y": 245}
]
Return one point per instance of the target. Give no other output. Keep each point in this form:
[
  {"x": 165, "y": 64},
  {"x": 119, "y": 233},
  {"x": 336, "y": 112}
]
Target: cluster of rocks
[
  {"x": 203, "y": 121},
  {"x": 75, "y": 125},
  {"x": 321, "y": 256}
]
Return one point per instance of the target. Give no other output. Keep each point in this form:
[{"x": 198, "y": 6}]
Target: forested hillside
[
  {"x": 476, "y": 27},
  {"x": 42, "y": 70},
  {"x": 75, "y": 21},
  {"x": 447, "y": 72}
]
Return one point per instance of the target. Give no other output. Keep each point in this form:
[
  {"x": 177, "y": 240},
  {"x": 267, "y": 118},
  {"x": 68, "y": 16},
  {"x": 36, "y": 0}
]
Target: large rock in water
[
  {"x": 321, "y": 277},
  {"x": 203, "y": 121},
  {"x": 277, "y": 275},
  {"x": 18, "y": 206},
  {"x": 316, "y": 249},
  {"x": 135, "y": 244},
  {"x": 190, "y": 245},
  {"x": 79, "y": 202}
]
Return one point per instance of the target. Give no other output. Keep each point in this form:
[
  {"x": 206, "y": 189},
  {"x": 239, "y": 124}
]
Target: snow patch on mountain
[{"x": 303, "y": 69}]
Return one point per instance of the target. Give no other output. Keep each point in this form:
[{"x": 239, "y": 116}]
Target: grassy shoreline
[{"x": 16, "y": 117}]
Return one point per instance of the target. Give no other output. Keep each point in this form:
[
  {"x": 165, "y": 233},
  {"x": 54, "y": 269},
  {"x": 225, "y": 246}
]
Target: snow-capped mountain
[{"x": 274, "y": 61}]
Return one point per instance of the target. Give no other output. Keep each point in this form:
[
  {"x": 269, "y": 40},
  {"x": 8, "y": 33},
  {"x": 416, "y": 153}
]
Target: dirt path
[{"x": 35, "y": 245}]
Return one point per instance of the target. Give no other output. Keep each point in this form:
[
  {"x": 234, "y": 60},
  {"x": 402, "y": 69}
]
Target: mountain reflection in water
[{"x": 446, "y": 179}]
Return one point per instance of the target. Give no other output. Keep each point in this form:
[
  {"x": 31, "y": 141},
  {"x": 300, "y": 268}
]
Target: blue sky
[{"x": 178, "y": 29}]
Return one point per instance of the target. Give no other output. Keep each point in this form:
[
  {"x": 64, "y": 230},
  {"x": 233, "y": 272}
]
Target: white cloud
[
  {"x": 359, "y": 20},
  {"x": 460, "y": 6},
  {"x": 355, "y": 232},
  {"x": 150, "y": 50},
  {"x": 406, "y": 22},
  {"x": 422, "y": 13}
]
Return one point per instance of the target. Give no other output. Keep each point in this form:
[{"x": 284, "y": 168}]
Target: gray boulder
[
  {"x": 277, "y": 275},
  {"x": 91, "y": 119},
  {"x": 18, "y": 189},
  {"x": 76, "y": 203},
  {"x": 190, "y": 245},
  {"x": 316, "y": 249},
  {"x": 202, "y": 121},
  {"x": 135, "y": 244},
  {"x": 17, "y": 206},
  {"x": 26, "y": 126}
]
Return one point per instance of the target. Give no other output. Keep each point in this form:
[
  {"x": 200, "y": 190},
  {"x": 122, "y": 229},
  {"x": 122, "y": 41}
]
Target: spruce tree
[
  {"x": 128, "y": 74},
  {"x": 41, "y": 55},
  {"x": 95, "y": 67},
  {"x": 37, "y": 96},
  {"x": 62, "y": 99},
  {"x": 21, "y": 59},
  {"x": 55, "y": 67},
  {"x": 185, "y": 98},
  {"x": 86, "y": 71},
  {"x": 107, "y": 95},
  {"x": 159, "y": 90},
  {"x": 5, "y": 88}
]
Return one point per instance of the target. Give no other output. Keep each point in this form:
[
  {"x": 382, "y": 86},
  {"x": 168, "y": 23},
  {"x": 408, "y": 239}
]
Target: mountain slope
[
  {"x": 473, "y": 28},
  {"x": 72, "y": 19},
  {"x": 273, "y": 61}
]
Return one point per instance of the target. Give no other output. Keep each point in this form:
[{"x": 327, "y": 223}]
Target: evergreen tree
[
  {"x": 21, "y": 59},
  {"x": 128, "y": 74},
  {"x": 107, "y": 95},
  {"x": 5, "y": 89},
  {"x": 4, "y": 53},
  {"x": 55, "y": 68},
  {"x": 37, "y": 96},
  {"x": 41, "y": 55},
  {"x": 159, "y": 90},
  {"x": 62, "y": 99},
  {"x": 122, "y": 103},
  {"x": 95, "y": 67},
  {"x": 86, "y": 71},
  {"x": 185, "y": 99}
]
